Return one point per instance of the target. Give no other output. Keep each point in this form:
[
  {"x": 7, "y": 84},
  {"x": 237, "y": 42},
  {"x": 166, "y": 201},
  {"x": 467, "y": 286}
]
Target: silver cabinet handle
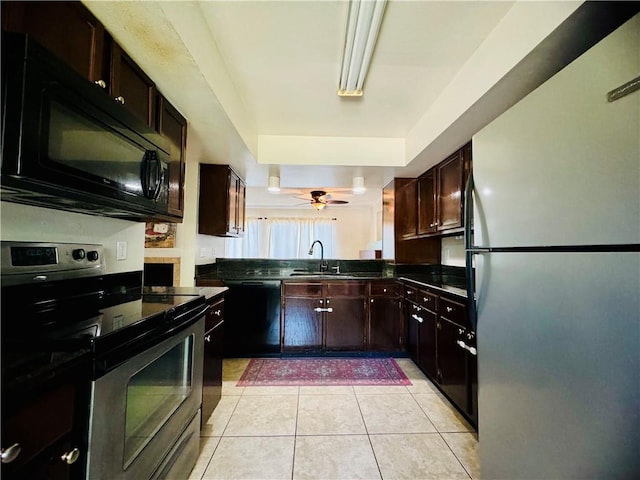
[
  {"x": 471, "y": 350},
  {"x": 384, "y": 290},
  {"x": 460, "y": 331},
  {"x": 101, "y": 83},
  {"x": 119, "y": 99},
  {"x": 449, "y": 309},
  {"x": 317, "y": 309},
  {"x": 416, "y": 317},
  {"x": 8, "y": 455},
  {"x": 70, "y": 457},
  {"x": 217, "y": 312},
  {"x": 372, "y": 300},
  {"x": 207, "y": 338}
]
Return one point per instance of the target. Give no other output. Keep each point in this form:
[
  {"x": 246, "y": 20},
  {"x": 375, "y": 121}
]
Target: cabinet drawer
[
  {"x": 390, "y": 289},
  {"x": 215, "y": 315},
  {"x": 38, "y": 425},
  {"x": 427, "y": 300},
  {"x": 410, "y": 293},
  {"x": 454, "y": 311},
  {"x": 302, "y": 289},
  {"x": 345, "y": 289}
]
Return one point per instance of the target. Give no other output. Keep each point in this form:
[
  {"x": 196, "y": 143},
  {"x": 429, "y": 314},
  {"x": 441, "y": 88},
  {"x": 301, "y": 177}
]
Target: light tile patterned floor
[{"x": 335, "y": 433}]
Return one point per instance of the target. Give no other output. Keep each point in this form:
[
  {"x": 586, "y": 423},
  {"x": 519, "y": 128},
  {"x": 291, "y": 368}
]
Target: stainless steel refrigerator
[{"x": 557, "y": 264}]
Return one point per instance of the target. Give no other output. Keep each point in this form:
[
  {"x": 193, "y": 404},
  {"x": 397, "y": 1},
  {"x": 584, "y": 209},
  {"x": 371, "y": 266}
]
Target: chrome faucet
[{"x": 323, "y": 265}]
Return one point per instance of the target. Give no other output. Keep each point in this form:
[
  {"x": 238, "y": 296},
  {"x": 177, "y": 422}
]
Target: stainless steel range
[{"x": 138, "y": 395}]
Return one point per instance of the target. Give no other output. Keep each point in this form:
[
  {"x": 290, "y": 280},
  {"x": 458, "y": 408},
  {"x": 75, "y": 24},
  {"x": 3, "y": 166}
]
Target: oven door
[{"x": 141, "y": 409}]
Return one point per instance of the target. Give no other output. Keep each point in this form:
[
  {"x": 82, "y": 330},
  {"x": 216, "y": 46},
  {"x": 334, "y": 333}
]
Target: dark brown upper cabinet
[
  {"x": 130, "y": 86},
  {"x": 406, "y": 208},
  {"x": 76, "y": 37},
  {"x": 67, "y": 29},
  {"x": 222, "y": 201},
  {"x": 450, "y": 176},
  {"x": 427, "y": 220},
  {"x": 173, "y": 126}
]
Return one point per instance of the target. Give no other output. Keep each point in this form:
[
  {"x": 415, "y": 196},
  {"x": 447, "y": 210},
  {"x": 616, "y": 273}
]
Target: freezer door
[
  {"x": 559, "y": 365},
  {"x": 562, "y": 167}
]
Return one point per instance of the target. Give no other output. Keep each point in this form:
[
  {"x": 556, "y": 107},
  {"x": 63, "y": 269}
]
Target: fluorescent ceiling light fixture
[
  {"x": 363, "y": 25},
  {"x": 358, "y": 186},
  {"x": 274, "y": 184}
]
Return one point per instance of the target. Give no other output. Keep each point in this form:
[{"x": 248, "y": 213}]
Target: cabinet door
[
  {"x": 212, "y": 369},
  {"x": 413, "y": 325},
  {"x": 427, "y": 349},
  {"x": 449, "y": 180},
  {"x": 131, "y": 87},
  {"x": 385, "y": 324},
  {"x": 67, "y": 29},
  {"x": 232, "y": 199},
  {"x": 452, "y": 363},
  {"x": 406, "y": 213},
  {"x": 427, "y": 222},
  {"x": 218, "y": 202},
  {"x": 242, "y": 193},
  {"x": 174, "y": 126},
  {"x": 301, "y": 324},
  {"x": 344, "y": 325}
]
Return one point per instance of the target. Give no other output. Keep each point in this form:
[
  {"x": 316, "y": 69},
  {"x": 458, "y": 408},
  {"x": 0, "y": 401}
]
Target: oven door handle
[{"x": 187, "y": 317}]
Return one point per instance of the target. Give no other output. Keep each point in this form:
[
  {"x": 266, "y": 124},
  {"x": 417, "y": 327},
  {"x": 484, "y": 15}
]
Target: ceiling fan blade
[{"x": 336, "y": 202}]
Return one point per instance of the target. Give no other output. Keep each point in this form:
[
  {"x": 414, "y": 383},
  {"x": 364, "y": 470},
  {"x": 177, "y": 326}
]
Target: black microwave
[{"x": 67, "y": 145}]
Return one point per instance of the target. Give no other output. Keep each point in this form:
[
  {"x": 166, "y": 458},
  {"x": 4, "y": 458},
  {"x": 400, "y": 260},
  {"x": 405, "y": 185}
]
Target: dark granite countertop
[
  {"x": 454, "y": 288},
  {"x": 447, "y": 279}
]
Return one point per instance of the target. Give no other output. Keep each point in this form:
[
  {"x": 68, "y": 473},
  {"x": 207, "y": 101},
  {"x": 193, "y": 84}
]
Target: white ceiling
[{"x": 257, "y": 81}]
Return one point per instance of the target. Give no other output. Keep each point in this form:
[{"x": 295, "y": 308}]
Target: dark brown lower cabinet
[
  {"x": 385, "y": 332},
  {"x": 344, "y": 324},
  {"x": 323, "y": 316},
  {"x": 301, "y": 324},
  {"x": 41, "y": 432},
  {"x": 213, "y": 353},
  {"x": 385, "y": 327},
  {"x": 427, "y": 358},
  {"x": 452, "y": 363},
  {"x": 439, "y": 342}
]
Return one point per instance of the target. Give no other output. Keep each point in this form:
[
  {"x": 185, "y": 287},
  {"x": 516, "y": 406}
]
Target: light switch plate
[{"x": 121, "y": 250}]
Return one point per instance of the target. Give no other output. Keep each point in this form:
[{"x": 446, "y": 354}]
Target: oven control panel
[{"x": 28, "y": 262}]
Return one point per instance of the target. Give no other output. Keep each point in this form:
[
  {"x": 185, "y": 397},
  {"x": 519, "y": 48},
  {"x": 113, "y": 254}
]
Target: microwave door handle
[
  {"x": 159, "y": 177},
  {"x": 145, "y": 174},
  {"x": 151, "y": 190}
]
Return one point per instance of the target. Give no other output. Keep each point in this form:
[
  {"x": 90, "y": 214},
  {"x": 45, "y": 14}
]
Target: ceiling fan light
[
  {"x": 318, "y": 205},
  {"x": 358, "y": 186},
  {"x": 274, "y": 184}
]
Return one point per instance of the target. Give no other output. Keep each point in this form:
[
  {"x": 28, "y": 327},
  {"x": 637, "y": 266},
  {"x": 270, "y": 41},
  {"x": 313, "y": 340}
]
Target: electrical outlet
[{"x": 121, "y": 250}]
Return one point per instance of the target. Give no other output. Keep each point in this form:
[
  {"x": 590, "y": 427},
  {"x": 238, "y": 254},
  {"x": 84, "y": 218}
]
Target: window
[{"x": 283, "y": 238}]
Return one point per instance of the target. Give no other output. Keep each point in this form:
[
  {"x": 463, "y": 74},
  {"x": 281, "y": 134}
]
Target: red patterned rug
[{"x": 322, "y": 371}]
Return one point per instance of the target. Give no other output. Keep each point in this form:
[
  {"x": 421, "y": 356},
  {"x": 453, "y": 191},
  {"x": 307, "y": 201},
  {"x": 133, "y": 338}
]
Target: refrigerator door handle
[{"x": 469, "y": 251}]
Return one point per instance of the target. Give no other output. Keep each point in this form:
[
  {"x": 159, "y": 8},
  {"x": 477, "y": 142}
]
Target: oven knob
[
  {"x": 92, "y": 255},
  {"x": 78, "y": 254}
]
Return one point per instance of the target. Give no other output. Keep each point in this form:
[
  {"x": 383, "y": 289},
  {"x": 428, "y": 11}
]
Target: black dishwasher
[{"x": 252, "y": 318}]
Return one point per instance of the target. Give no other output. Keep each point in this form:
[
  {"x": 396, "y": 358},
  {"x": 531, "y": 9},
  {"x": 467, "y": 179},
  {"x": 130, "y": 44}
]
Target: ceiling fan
[{"x": 320, "y": 199}]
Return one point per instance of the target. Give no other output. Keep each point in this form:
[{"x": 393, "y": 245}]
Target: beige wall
[{"x": 35, "y": 224}]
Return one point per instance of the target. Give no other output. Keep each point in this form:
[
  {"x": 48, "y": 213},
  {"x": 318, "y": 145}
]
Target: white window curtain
[{"x": 280, "y": 238}]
